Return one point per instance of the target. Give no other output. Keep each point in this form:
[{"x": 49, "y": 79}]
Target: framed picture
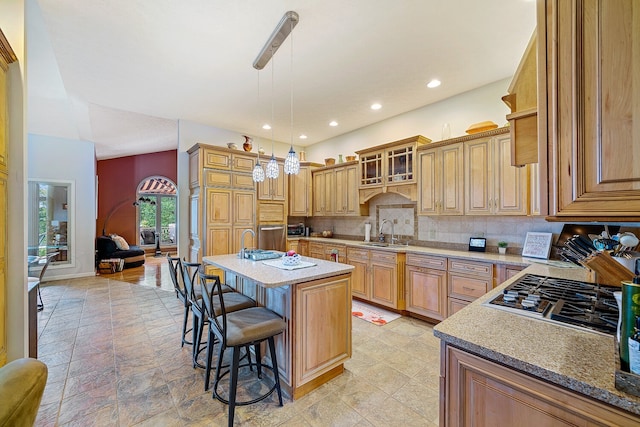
[
  {"x": 477, "y": 244},
  {"x": 537, "y": 245}
]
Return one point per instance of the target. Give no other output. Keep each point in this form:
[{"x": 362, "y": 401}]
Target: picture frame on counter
[
  {"x": 477, "y": 244},
  {"x": 537, "y": 245}
]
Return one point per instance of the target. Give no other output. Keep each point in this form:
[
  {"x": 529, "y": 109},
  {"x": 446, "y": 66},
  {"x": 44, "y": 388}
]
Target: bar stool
[
  {"x": 235, "y": 301},
  {"x": 181, "y": 293},
  {"x": 236, "y": 330}
]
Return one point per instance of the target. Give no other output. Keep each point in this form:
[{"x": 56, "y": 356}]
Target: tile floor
[{"x": 114, "y": 357}]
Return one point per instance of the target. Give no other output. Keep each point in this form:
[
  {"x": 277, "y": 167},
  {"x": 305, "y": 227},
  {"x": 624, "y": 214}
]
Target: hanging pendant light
[
  {"x": 258, "y": 172},
  {"x": 291, "y": 163},
  {"x": 272, "y": 166}
]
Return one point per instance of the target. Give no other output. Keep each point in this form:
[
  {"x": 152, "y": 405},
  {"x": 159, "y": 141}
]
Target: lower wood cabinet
[
  {"x": 477, "y": 392},
  {"x": 324, "y": 251},
  {"x": 427, "y": 286},
  {"x": 360, "y": 284},
  {"x": 378, "y": 276},
  {"x": 467, "y": 281}
]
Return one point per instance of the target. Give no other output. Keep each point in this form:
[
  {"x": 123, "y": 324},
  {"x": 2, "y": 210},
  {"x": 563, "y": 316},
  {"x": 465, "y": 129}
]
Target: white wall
[
  {"x": 57, "y": 159},
  {"x": 460, "y": 112}
]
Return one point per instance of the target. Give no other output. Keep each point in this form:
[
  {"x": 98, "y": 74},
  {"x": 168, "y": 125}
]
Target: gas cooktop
[{"x": 579, "y": 304}]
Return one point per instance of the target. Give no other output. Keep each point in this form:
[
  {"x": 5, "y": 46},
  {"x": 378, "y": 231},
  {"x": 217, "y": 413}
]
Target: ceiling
[{"x": 121, "y": 73}]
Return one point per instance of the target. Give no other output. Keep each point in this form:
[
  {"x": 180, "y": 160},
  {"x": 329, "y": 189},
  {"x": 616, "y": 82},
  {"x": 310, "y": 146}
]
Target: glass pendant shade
[
  {"x": 272, "y": 168},
  {"x": 258, "y": 173},
  {"x": 291, "y": 163}
]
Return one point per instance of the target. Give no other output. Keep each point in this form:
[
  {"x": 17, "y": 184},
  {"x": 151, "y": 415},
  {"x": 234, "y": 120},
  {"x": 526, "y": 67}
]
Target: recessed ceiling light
[
  {"x": 333, "y": 123},
  {"x": 303, "y": 136},
  {"x": 433, "y": 83},
  {"x": 376, "y": 106},
  {"x": 266, "y": 126}
]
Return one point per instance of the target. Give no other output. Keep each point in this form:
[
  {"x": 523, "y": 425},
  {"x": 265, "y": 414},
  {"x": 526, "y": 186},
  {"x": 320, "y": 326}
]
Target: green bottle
[{"x": 630, "y": 311}]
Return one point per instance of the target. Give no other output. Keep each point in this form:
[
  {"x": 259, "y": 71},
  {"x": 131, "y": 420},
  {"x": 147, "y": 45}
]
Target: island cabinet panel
[
  {"x": 427, "y": 286},
  {"x": 323, "y": 336},
  {"x": 278, "y": 300},
  {"x": 589, "y": 77},
  {"x": 477, "y": 392}
]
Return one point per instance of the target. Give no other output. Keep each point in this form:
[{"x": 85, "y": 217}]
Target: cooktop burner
[{"x": 585, "y": 305}]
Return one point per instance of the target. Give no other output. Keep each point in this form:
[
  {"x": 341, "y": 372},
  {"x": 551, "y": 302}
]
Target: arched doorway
[{"x": 157, "y": 207}]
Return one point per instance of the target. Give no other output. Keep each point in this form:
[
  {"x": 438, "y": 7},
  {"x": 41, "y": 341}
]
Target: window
[{"x": 157, "y": 211}]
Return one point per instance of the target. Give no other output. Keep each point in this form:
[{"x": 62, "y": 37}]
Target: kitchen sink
[
  {"x": 385, "y": 245},
  {"x": 261, "y": 254}
]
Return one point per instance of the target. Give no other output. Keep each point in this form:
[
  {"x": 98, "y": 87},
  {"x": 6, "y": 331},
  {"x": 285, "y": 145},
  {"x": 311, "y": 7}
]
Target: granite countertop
[
  {"x": 272, "y": 277},
  {"x": 572, "y": 358},
  {"x": 423, "y": 250}
]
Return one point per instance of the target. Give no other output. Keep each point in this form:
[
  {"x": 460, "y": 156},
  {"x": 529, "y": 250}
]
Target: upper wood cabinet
[
  {"x": 492, "y": 185},
  {"x": 390, "y": 168},
  {"x": 300, "y": 192},
  {"x": 335, "y": 191},
  {"x": 274, "y": 188},
  {"x": 590, "y": 120},
  {"x": 441, "y": 178}
]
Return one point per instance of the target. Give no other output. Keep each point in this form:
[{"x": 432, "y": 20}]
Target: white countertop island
[{"x": 315, "y": 302}]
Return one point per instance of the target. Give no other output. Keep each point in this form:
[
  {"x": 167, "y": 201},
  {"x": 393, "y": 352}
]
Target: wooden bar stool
[{"x": 238, "y": 329}]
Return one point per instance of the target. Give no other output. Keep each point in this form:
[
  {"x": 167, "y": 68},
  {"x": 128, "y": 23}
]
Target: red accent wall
[{"x": 118, "y": 180}]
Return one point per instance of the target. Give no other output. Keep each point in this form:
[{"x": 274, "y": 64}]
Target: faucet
[
  {"x": 248, "y": 230},
  {"x": 381, "y": 236}
]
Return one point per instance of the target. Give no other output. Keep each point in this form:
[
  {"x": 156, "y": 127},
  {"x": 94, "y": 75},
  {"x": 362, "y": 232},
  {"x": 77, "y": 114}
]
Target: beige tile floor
[{"x": 114, "y": 357}]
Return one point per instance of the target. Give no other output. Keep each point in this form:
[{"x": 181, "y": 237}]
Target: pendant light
[
  {"x": 272, "y": 166},
  {"x": 291, "y": 163},
  {"x": 258, "y": 172}
]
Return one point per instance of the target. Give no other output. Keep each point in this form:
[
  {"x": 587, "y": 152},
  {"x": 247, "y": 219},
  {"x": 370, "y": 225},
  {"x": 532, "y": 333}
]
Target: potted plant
[{"x": 502, "y": 247}]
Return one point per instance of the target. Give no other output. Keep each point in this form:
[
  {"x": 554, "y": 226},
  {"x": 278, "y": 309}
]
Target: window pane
[{"x": 168, "y": 219}]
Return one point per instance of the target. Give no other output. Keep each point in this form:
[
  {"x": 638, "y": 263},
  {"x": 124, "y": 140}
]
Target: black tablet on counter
[{"x": 477, "y": 244}]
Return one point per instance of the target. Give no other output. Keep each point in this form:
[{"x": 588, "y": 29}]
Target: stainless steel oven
[{"x": 273, "y": 237}]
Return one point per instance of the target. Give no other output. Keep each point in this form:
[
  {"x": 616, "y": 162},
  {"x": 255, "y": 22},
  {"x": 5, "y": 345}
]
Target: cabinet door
[
  {"x": 594, "y": 108},
  {"x": 384, "y": 284},
  {"x": 429, "y": 180},
  {"x": 273, "y": 188},
  {"x": 451, "y": 194},
  {"x": 360, "y": 279},
  {"x": 300, "y": 193},
  {"x": 219, "y": 206},
  {"x": 219, "y": 241},
  {"x": 303, "y": 248},
  {"x": 244, "y": 207},
  {"x": 510, "y": 182},
  {"x": 352, "y": 202},
  {"x": 478, "y": 183},
  {"x": 340, "y": 191},
  {"x": 237, "y": 243},
  {"x": 316, "y": 250},
  {"x": 427, "y": 292},
  {"x": 329, "y": 192},
  {"x": 318, "y": 193}
]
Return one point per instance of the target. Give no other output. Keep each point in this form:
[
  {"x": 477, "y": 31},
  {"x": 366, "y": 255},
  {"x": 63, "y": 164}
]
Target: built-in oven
[{"x": 273, "y": 237}]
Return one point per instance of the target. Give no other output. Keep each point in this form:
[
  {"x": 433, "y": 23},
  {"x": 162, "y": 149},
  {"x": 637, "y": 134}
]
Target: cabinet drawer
[
  {"x": 243, "y": 163},
  {"x": 316, "y": 247},
  {"x": 216, "y": 160},
  {"x": 467, "y": 288},
  {"x": 427, "y": 261},
  {"x": 381, "y": 256},
  {"x": 217, "y": 179},
  {"x": 476, "y": 268},
  {"x": 357, "y": 253},
  {"x": 243, "y": 181}
]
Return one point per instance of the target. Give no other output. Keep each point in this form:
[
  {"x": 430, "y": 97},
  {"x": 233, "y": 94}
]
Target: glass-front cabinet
[{"x": 390, "y": 168}]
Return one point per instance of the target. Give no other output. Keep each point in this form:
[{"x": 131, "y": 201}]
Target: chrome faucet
[
  {"x": 381, "y": 236},
  {"x": 248, "y": 230}
]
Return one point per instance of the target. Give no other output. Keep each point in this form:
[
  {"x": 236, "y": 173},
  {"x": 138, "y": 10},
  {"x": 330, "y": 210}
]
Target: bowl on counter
[
  {"x": 327, "y": 233},
  {"x": 291, "y": 259}
]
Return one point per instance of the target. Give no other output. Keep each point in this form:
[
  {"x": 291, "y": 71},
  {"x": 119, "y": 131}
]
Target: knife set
[{"x": 581, "y": 251}]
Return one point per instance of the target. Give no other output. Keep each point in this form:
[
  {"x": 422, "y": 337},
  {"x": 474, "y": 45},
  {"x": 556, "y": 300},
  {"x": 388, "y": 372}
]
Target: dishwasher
[{"x": 273, "y": 237}]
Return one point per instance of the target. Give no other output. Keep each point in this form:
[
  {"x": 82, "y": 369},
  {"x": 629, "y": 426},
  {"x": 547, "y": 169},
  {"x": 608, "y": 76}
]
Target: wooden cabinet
[
  {"x": 274, "y": 188},
  {"x": 360, "y": 285},
  {"x": 222, "y": 202},
  {"x": 441, "y": 178},
  {"x": 303, "y": 247},
  {"x": 378, "y": 276},
  {"x": 589, "y": 74},
  {"x": 293, "y": 245},
  {"x": 335, "y": 191},
  {"x": 427, "y": 286},
  {"x": 505, "y": 272},
  {"x": 478, "y": 392},
  {"x": 467, "y": 280},
  {"x": 491, "y": 185},
  {"x": 300, "y": 192},
  {"x": 390, "y": 168}
]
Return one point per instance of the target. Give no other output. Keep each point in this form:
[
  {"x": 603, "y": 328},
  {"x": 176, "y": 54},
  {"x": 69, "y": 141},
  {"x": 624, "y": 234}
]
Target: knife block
[{"x": 608, "y": 270}]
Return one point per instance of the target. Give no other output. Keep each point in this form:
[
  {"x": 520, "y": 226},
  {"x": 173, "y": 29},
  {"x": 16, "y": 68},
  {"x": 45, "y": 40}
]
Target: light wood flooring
[{"x": 112, "y": 346}]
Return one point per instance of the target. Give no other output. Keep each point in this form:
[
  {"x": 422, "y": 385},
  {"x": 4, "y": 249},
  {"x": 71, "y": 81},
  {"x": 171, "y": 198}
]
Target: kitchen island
[
  {"x": 502, "y": 368},
  {"x": 314, "y": 301}
]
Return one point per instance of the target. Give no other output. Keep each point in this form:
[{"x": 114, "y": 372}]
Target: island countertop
[
  {"x": 578, "y": 360},
  {"x": 271, "y": 277}
]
